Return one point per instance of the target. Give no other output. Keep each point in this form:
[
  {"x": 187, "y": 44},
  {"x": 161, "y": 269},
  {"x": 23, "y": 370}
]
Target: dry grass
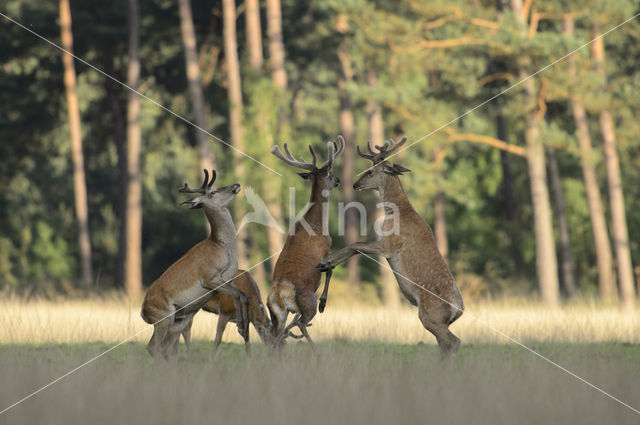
[
  {"x": 113, "y": 320},
  {"x": 369, "y": 371}
]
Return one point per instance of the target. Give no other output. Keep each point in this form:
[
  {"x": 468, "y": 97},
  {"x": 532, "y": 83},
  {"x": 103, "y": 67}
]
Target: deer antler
[
  {"x": 384, "y": 151},
  {"x": 204, "y": 187},
  {"x": 290, "y": 160},
  {"x": 334, "y": 150}
]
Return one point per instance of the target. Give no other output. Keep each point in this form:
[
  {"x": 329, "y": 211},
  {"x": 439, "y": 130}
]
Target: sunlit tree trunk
[
  {"x": 390, "y": 293},
  {"x": 616, "y": 197},
  {"x": 546, "y": 261},
  {"x": 347, "y": 129},
  {"x": 269, "y": 188},
  {"x": 277, "y": 59},
  {"x": 205, "y": 152},
  {"x": 440, "y": 224},
  {"x": 566, "y": 258},
  {"x": 276, "y": 44},
  {"x": 513, "y": 223},
  {"x": 133, "y": 263},
  {"x": 234, "y": 90},
  {"x": 606, "y": 279},
  {"x": 77, "y": 157},
  {"x": 254, "y": 34}
]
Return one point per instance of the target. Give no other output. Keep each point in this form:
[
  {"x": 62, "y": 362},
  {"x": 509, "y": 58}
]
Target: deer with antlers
[
  {"x": 408, "y": 244},
  {"x": 224, "y": 306},
  {"x": 295, "y": 276},
  {"x": 209, "y": 267}
]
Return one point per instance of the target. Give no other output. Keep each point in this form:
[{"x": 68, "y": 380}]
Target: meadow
[{"x": 375, "y": 366}]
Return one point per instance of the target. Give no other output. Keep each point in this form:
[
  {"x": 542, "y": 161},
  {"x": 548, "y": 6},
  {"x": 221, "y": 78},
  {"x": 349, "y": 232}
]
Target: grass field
[{"x": 375, "y": 366}]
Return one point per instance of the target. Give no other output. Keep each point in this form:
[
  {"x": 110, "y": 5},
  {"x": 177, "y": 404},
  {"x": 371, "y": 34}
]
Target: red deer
[
  {"x": 224, "y": 306},
  {"x": 205, "y": 269},
  {"x": 295, "y": 276},
  {"x": 407, "y": 242}
]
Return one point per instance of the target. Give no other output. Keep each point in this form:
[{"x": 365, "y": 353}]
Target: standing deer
[
  {"x": 407, "y": 242},
  {"x": 224, "y": 306},
  {"x": 295, "y": 276},
  {"x": 207, "y": 268}
]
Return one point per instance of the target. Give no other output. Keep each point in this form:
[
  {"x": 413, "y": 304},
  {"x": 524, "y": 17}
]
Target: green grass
[{"x": 350, "y": 382}]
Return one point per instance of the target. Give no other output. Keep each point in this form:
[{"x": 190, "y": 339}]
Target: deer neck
[
  {"x": 223, "y": 231},
  {"x": 316, "y": 216},
  {"x": 392, "y": 192}
]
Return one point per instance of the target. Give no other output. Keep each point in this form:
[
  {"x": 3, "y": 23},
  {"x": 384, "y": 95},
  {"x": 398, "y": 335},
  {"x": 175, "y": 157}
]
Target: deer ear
[
  {"x": 400, "y": 169},
  {"x": 305, "y": 175},
  {"x": 394, "y": 169}
]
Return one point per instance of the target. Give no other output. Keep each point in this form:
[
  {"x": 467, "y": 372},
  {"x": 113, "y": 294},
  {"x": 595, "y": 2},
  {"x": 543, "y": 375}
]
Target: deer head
[
  {"x": 375, "y": 176},
  {"x": 209, "y": 196},
  {"x": 323, "y": 174}
]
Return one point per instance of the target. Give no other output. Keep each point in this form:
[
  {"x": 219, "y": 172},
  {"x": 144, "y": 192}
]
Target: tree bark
[
  {"x": 390, "y": 293},
  {"x": 205, "y": 152},
  {"x": 254, "y": 34},
  {"x": 277, "y": 60},
  {"x": 606, "y": 279},
  {"x": 133, "y": 263},
  {"x": 120, "y": 138},
  {"x": 276, "y": 44},
  {"x": 234, "y": 91},
  {"x": 256, "y": 60},
  {"x": 616, "y": 196},
  {"x": 566, "y": 258},
  {"x": 546, "y": 261},
  {"x": 440, "y": 225},
  {"x": 77, "y": 157},
  {"x": 347, "y": 128},
  {"x": 510, "y": 201}
]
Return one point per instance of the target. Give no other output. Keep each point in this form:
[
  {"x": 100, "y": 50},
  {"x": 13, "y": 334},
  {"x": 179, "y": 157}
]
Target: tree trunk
[
  {"x": 120, "y": 138},
  {"x": 390, "y": 293},
  {"x": 269, "y": 189},
  {"x": 254, "y": 34},
  {"x": 546, "y": 262},
  {"x": 606, "y": 279},
  {"x": 347, "y": 128},
  {"x": 77, "y": 157},
  {"x": 566, "y": 258},
  {"x": 616, "y": 197},
  {"x": 133, "y": 263},
  {"x": 276, "y": 44},
  {"x": 513, "y": 222},
  {"x": 276, "y": 60},
  {"x": 440, "y": 225},
  {"x": 205, "y": 152},
  {"x": 234, "y": 90}
]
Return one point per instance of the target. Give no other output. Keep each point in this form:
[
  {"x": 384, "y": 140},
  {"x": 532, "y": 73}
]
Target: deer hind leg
[
  {"x": 279, "y": 313},
  {"x": 436, "y": 321},
  {"x": 222, "y": 324},
  {"x": 242, "y": 308},
  {"x": 186, "y": 334}
]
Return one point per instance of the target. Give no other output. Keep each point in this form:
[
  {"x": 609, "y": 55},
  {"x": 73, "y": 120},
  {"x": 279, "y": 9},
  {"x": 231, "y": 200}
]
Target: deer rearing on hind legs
[
  {"x": 295, "y": 276},
  {"x": 207, "y": 268},
  {"x": 407, "y": 242}
]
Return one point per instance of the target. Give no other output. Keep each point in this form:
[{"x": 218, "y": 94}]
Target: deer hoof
[
  {"x": 324, "y": 267},
  {"x": 323, "y": 304}
]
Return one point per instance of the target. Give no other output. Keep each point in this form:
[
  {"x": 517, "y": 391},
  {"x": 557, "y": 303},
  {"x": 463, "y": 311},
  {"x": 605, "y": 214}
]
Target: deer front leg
[
  {"x": 340, "y": 256},
  {"x": 222, "y": 324},
  {"x": 242, "y": 307},
  {"x": 325, "y": 291}
]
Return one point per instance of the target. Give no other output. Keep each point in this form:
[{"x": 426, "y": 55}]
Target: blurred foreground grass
[
  {"x": 351, "y": 382},
  {"x": 113, "y": 320}
]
